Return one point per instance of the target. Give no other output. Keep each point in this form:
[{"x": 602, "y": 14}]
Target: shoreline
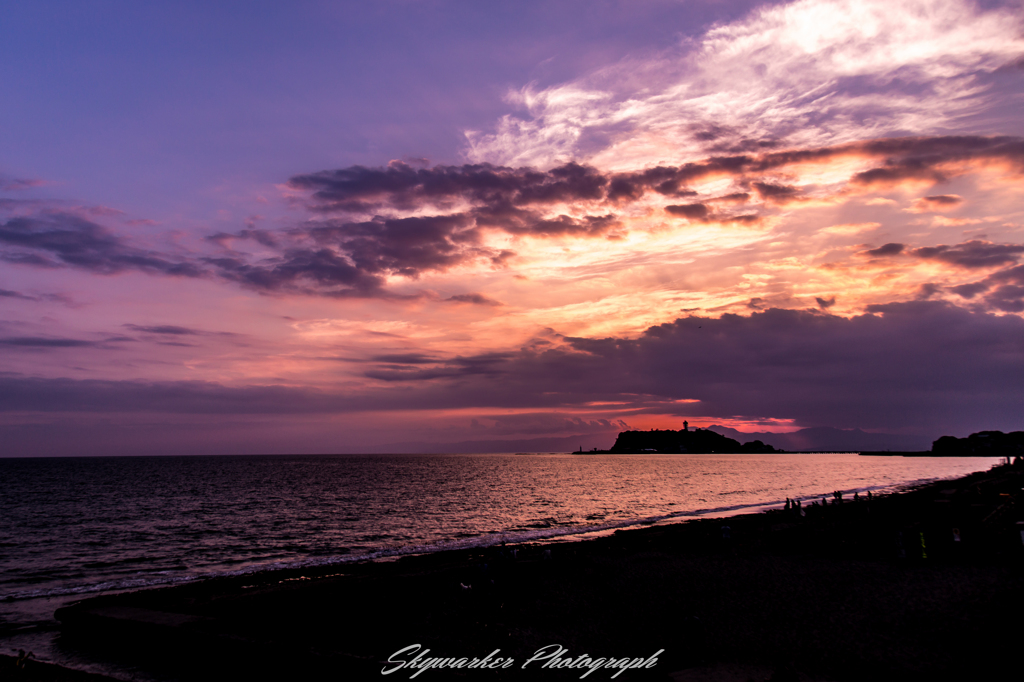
[
  {"x": 554, "y": 534},
  {"x": 711, "y": 592}
]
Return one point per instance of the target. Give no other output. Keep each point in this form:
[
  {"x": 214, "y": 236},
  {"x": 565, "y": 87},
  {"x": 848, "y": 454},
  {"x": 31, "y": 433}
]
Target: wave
[{"x": 542, "y": 529}]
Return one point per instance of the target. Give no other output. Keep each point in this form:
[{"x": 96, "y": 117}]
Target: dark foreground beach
[{"x": 922, "y": 585}]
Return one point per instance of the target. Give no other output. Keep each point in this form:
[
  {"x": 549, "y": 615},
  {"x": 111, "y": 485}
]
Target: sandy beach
[{"x": 920, "y": 585}]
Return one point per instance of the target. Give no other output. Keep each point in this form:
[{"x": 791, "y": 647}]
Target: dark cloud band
[{"x": 923, "y": 365}]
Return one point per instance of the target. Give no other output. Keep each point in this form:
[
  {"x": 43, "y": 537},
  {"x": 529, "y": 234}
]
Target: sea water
[{"x": 72, "y": 528}]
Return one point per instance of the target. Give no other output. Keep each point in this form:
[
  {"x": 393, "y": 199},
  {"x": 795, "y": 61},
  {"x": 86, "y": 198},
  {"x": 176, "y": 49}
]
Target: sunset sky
[{"x": 350, "y": 226}]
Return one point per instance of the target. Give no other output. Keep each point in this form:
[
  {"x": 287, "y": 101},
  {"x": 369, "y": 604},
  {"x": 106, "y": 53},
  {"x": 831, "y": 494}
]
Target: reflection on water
[{"x": 79, "y": 526}]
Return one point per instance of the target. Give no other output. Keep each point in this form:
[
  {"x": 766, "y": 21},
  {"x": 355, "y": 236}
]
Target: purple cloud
[
  {"x": 891, "y": 249},
  {"x": 1004, "y": 290},
  {"x": 972, "y": 254},
  {"x": 66, "y": 240},
  {"x": 917, "y": 365},
  {"x": 475, "y": 299}
]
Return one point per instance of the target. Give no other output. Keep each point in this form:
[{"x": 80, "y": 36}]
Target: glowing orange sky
[{"x": 826, "y": 157}]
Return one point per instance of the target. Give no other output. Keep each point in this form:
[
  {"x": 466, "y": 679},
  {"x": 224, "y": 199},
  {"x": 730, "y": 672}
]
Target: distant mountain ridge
[{"x": 829, "y": 439}]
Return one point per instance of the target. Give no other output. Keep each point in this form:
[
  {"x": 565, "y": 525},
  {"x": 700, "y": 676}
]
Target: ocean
[{"x": 72, "y": 528}]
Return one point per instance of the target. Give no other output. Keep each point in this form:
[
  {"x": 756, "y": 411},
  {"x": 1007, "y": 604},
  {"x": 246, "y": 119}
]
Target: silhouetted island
[
  {"x": 705, "y": 441},
  {"x": 983, "y": 443},
  {"x": 697, "y": 441},
  {"x": 980, "y": 444}
]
